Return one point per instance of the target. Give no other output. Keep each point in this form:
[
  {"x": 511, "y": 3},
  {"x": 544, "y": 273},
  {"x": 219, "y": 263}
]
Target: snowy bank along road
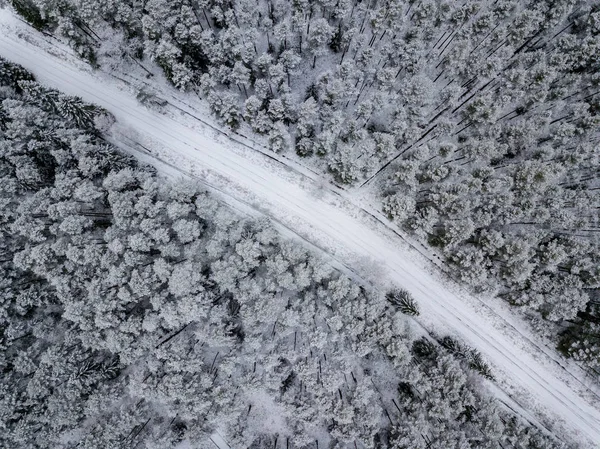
[{"x": 529, "y": 378}]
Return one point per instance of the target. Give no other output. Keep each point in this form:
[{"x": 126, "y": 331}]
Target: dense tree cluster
[
  {"x": 476, "y": 121},
  {"x": 141, "y": 313}
]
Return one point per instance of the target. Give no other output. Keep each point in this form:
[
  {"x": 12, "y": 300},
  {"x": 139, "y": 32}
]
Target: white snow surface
[{"x": 532, "y": 378}]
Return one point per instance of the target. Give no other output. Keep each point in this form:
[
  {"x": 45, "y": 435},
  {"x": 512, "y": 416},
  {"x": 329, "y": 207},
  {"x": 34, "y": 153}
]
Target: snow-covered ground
[{"x": 532, "y": 378}]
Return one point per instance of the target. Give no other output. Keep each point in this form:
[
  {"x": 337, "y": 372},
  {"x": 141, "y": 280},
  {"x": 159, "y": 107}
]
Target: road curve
[{"x": 329, "y": 223}]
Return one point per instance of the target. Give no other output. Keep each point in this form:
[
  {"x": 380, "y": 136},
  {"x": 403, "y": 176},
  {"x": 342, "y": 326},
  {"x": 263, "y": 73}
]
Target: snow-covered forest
[
  {"x": 474, "y": 123},
  {"x": 140, "y": 312}
]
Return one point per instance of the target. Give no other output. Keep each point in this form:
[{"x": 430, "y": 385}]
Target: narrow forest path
[{"x": 331, "y": 221}]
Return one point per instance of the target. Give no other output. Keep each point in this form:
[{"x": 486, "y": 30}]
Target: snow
[
  {"x": 219, "y": 441},
  {"x": 266, "y": 416},
  {"x": 532, "y": 378}
]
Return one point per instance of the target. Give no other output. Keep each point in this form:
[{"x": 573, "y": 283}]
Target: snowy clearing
[{"x": 531, "y": 378}]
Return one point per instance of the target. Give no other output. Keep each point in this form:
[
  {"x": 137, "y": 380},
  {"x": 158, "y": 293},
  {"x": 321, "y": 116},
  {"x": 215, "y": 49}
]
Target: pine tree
[{"x": 403, "y": 301}]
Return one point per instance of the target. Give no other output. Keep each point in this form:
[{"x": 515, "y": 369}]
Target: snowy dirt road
[{"x": 529, "y": 378}]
